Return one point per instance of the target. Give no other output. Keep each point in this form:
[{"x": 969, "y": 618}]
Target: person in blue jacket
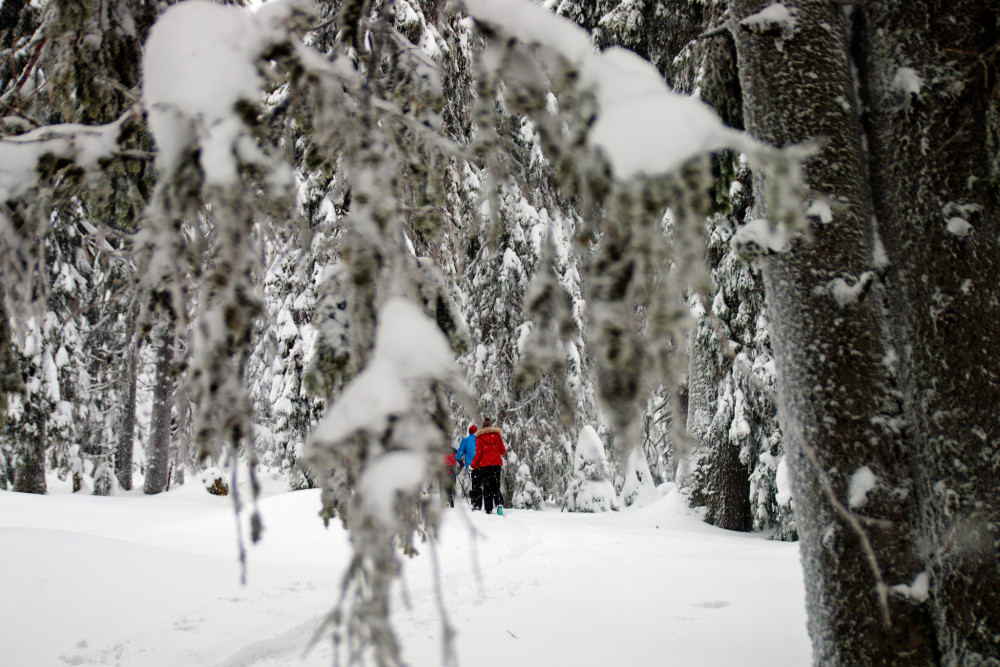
[{"x": 463, "y": 457}]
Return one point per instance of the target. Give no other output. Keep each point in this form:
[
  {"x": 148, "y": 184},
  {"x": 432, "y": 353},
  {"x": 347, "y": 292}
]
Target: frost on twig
[
  {"x": 41, "y": 170},
  {"x": 642, "y": 260},
  {"x": 202, "y": 106},
  {"x": 378, "y": 438}
]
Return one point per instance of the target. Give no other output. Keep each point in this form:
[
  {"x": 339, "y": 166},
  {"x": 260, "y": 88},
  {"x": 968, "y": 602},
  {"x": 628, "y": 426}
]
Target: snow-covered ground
[{"x": 139, "y": 580}]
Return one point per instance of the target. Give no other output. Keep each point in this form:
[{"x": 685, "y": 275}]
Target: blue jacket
[{"x": 466, "y": 450}]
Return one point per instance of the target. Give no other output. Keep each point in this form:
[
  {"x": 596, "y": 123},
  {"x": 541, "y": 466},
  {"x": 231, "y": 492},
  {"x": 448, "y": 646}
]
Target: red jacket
[{"x": 489, "y": 448}]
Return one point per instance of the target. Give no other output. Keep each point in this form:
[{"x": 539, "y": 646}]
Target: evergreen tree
[
  {"x": 590, "y": 490},
  {"x": 638, "y": 485},
  {"x": 76, "y": 62},
  {"x": 656, "y": 441},
  {"x": 28, "y": 413},
  {"x": 284, "y": 411},
  {"x": 731, "y": 407},
  {"x": 857, "y": 338},
  {"x": 517, "y": 282},
  {"x": 731, "y": 472},
  {"x": 57, "y": 425}
]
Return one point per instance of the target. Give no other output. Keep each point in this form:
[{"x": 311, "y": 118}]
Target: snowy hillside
[{"x": 139, "y": 580}]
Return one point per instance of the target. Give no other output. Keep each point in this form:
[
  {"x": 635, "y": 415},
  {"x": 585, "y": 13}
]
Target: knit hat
[{"x": 472, "y": 428}]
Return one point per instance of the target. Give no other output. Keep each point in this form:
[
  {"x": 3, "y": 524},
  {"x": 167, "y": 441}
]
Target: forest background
[{"x": 210, "y": 218}]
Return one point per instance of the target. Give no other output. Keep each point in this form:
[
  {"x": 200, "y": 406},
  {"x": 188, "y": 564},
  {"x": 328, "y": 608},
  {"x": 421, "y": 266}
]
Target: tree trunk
[
  {"x": 714, "y": 476},
  {"x": 126, "y": 433},
  {"x": 702, "y": 380},
  {"x": 838, "y": 403},
  {"x": 727, "y": 479},
  {"x": 183, "y": 453},
  {"x": 158, "y": 462},
  {"x": 929, "y": 73},
  {"x": 29, "y": 474}
]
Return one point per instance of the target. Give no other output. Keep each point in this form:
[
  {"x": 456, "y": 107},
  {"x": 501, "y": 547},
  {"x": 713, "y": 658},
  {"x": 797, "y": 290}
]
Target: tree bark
[
  {"x": 182, "y": 455},
  {"x": 713, "y": 475},
  {"x": 29, "y": 474},
  {"x": 838, "y": 403},
  {"x": 929, "y": 74},
  {"x": 701, "y": 385},
  {"x": 727, "y": 479},
  {"x": 158, "y": 462},
  {"x": 126, "y": 433}
]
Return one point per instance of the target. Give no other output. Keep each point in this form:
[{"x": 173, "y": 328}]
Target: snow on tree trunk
[
  {"x": 158, "y": 452},
  {"x": 126, "y": 419},
  {"x": 928, "y": 73},
  {"x": 839, "y": 406}
]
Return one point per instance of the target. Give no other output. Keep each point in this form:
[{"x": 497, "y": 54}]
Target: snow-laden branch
[
  {"x": 410, "y": 351},
  {"x": 642, "y": 126},
  {"x": 201, "y": 62},
  {"x": 83, "y": 145}
]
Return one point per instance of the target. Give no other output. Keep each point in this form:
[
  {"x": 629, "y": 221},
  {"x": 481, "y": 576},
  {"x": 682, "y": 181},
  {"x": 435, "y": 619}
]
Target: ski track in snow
[{"x": 137, "y": 580}]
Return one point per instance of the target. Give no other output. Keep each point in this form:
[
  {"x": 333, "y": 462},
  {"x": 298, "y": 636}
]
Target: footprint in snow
[
  {"x": 188, "y": 625},
  {"x": 713, "y": 604}
]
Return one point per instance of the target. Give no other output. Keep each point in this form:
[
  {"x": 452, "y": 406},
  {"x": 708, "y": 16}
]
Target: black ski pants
[
  {"x": 476, "y": 492},
  {"x": 490, "y": 476}
]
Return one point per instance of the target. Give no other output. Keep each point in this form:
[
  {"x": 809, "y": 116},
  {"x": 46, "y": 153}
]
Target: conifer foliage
[
  {"x": 306, "y": 220},
  {"x": 590, "y": 490}
]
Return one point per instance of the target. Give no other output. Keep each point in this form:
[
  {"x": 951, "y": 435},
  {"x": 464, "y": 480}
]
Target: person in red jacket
[
  {"x": 448, "y": 482},
  {"x": 489, "y": 452}
]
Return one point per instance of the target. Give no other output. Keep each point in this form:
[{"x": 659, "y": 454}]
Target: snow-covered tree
[
  {"x": 521, "y": 295},
  {"x": 638, "y": 486},
  {"x": 728, "y": 344},
  {"x": 731, "y": 470},
  {"x": 284, "y": 410},
  {"x": 656, "y": 441},
  {"x": 527, "y": 391},
  {"x": 55, "y": 417},
  {"x": 76, "y": 62},
  {"x": 28, "y": 412},
  {"x": 863, "y": 317},
  {"x": 591, "y": 490}
]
